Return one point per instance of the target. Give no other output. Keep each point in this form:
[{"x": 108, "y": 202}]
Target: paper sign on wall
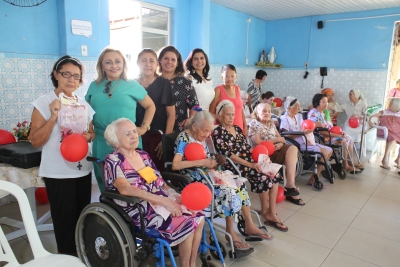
[{"x": 81, "y": 27}]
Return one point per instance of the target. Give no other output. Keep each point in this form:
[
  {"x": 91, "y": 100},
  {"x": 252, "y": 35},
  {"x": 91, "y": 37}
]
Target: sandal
[
  {"x": 296, "y": 201},
  {"x": 235, "y": 242},
  {"x": 291, "y": 192},
  {"x": 276, "y": 225}
]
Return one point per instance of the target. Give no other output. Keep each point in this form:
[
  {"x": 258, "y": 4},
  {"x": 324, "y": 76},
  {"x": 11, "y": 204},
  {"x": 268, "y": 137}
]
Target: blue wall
[
  {"x": 29, "y": 30},
  {"x": 352, "y": 44},
  {"x": 46, "y": 29},
  {"x": 228, "y": 37}
]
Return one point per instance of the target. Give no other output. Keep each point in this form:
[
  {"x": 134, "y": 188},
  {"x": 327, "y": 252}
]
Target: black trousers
[{"x": 67, "y": 199}]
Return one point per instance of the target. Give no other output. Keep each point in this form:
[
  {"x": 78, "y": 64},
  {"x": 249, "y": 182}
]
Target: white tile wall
[{"x": 22, "y": 80}]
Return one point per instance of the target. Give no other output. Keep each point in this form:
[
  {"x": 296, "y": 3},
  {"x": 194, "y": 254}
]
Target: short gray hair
[
  {"x": 224, "y": 104},
  {"x": 110, "y": 134},
  {"x": 259, "y": 107},
  {"x": 395, "y": 104},
  {"x": 200, "y": 117}
]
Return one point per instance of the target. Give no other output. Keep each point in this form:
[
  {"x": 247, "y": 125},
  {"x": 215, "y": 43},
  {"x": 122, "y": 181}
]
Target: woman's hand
[
  {"x": 279, "y": 140},
  {"x": 209, "y": 163},
  {"x": 141, "y": 130},
  {"x": 173, "y": 207},
  {"x": 256, "y": 166},
  {"x": 55, "y": 107},
  {"x": 278, "y": 146},
  {"x": 89, "y": 136},
  {"x": 159, "y": 150}
]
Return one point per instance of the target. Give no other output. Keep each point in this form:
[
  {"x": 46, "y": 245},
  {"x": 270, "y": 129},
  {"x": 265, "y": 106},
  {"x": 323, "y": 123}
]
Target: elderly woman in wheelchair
[
  {"x": 262, "y": 128},
  {"x": 317, "y": 115},
  {"x": 292, "y": 121},
  {"x": 228, "y": 200},
  {"x": 230, "y": 141},
  {"x": 133, "y": 173}
]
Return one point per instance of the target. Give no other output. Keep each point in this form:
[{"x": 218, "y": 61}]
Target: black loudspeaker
[
  {"x": 323, "y": 71},
  {"x": 320, "y": 24}
]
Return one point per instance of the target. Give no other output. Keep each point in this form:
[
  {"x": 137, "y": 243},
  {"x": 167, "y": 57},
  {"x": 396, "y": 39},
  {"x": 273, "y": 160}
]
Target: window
[{"x": 135, "y": 25}]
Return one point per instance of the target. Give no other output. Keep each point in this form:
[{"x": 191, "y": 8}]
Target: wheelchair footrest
[{"x": 240, "y": 253}]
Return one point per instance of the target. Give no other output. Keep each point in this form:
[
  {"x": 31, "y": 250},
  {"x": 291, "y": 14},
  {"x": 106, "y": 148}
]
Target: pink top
[
  {"x": 395, "y": 92},
  {"x": 237, "y": 102}
]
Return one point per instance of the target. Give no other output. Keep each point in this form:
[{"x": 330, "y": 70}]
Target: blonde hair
[{"x": 100, "y": 73}]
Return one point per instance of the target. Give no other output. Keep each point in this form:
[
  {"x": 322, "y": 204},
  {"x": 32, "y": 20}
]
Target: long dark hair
[
  {"x": 189, "y": 67},
  {"x": 179, "y": 71}
]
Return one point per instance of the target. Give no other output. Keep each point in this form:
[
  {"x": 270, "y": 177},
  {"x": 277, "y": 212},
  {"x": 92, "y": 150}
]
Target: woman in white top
[
  {"x": 292, "y": 121},
  {"x": 197, "y": 69},
  {"x": 354, "y": 108},
  {"x": 68, "y": 184},
  {"x": 246, "y": 109}
]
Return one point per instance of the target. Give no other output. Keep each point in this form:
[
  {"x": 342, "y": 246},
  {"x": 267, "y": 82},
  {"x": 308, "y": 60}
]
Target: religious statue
[
  {"x": 271, "y": 55},
  {"x": 263, "y": 58}
]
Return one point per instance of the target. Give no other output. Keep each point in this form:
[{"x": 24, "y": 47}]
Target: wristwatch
[{"x": 147, "y": 126}]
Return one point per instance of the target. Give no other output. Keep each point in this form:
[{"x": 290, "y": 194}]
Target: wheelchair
[
  {"x": 310, "y": 161},
  {"x": 168, "y": 142},
  {"x": 106, "y": 235}
]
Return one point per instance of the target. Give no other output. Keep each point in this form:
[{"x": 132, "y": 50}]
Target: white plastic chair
[
  {"x": 41, "y": 256},
  {"x": 375, "y": 120}
]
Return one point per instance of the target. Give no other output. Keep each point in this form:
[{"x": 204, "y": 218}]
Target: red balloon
[
  {"x": 336, "y": 130},
  {"x": 41, "y": 195},
  {"x": 281, "y": 194},
  {"x": 278, "y": 102},
  {"x": 308, "y": 125},
  {"x": 354, "y": 122},
  {"x": 196, "y": 196},
  {"x": 6, "y": 137},
  {"x": 195, "y": 151},
  {"x": 270, "y": 146},
  {"x": 257, "y": 150},
  {"x": 74, "y": 147}
]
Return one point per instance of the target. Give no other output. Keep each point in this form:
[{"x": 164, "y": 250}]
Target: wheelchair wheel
[
  {"x": 103, "y": 238},
  {"x": 299, "y": 165},
  {"x": 342, "y": 174},
  {"x": 241, "y": 226},
  {"x": 214, "y": 253},
  {"x": 318, "y": 185}
]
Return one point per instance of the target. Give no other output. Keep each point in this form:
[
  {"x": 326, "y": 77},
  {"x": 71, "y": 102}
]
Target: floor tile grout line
[{"x": 356, "y": 257}]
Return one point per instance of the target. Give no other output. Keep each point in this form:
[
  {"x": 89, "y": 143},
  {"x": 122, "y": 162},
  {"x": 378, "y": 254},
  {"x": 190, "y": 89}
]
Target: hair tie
[
  {"x": 293, "y": 102},
  {"x": 221, "y": 108}
]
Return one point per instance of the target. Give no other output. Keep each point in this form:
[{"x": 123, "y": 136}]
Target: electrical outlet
[{"x": 306, "y": 64}]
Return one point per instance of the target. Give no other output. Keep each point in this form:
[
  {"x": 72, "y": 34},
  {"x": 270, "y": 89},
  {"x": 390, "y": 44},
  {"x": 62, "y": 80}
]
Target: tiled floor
[{"x": 355, "y": 222}]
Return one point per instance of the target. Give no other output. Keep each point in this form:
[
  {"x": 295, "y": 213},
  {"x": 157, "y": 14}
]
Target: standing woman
[
  {"x": 197, "y": 69},
  {"x": 354, "y": 109},
  {"x": 68, "y": 184},
  {"x": 230, "y": 91},
  {"x": 160, "y": 91},
  {"x": 171, "y": 67},
  {"x": 254, "y": 87},
  {"x": 113, "y": 96}
]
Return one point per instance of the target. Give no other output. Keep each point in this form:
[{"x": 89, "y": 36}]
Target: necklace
[
  {"x": 112, "y": 90},
  {"x": 140, "y": 81}
]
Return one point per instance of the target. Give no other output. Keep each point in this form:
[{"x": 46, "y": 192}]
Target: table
[{"x": 27, "y": 179}]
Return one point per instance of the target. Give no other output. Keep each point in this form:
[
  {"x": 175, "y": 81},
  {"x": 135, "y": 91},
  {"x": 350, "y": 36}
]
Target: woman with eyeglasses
[
  {"x": 68, "y": 184},
  {"x": 113, "y": 96}
]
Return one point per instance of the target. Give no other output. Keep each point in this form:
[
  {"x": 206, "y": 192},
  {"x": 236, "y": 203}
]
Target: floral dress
[
  {"x": 317, "y": 116},
  {"x": 228, "y": 145},
  {"x": 174, "y": 230},
  {"x": 228, "y": 200},
  {"x": 185, "y": 97}
]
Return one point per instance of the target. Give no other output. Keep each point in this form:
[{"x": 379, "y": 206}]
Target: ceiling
[{"x": 283, "y": 9}]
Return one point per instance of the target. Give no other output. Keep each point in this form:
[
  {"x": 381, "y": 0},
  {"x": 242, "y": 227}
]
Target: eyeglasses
[{"x": 67, "y": 75}]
